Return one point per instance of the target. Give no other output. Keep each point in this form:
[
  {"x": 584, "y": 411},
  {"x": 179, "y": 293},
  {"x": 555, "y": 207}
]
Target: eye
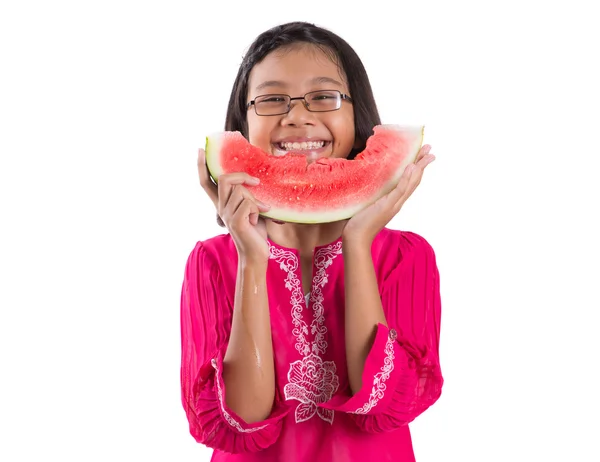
[
  {"x": 323, "y": 96},
  {"x": 272, "y": 99}
]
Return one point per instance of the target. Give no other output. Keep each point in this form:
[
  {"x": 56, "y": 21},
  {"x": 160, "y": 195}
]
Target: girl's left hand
[{"x": 367, "y": 223}]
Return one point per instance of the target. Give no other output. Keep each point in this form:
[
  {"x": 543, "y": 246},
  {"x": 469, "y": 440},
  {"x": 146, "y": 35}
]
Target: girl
[{"x": 307, "y": 342}]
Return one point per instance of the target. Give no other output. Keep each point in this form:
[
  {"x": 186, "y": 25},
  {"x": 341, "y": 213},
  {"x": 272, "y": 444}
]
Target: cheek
[
  {"x": 346, "y": 132},
  {"x": 259, "y": 132}
]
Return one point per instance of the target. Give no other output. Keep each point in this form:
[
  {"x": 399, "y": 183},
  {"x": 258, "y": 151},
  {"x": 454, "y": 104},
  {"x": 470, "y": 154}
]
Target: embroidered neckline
[
  {"x": 289, "y": 263},
  {"x": 311, "y": 381},
  {"x": 296, "y": 251}
]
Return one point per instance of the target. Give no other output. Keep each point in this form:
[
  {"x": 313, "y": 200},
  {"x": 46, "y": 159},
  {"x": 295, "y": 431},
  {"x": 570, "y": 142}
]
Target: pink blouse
[{"x": 314, "y": 417}]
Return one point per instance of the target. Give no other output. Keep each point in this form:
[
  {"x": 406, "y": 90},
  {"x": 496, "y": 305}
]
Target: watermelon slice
[{"x": 323, "y": 191}]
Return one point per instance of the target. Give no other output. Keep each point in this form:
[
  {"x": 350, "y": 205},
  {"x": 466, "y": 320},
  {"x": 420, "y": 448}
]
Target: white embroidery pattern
[
  {"x": 288, "y": 262},
  {"x": 378, "y": 389},
  {"x": 323, "y": 259},
  {"x": 311, "y": 380},
  {"x": 230, "y": 420}
]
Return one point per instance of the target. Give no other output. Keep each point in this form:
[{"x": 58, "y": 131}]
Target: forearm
[
  {"x": 248, "y": 368},
  {"x": 363, "y": 307}
]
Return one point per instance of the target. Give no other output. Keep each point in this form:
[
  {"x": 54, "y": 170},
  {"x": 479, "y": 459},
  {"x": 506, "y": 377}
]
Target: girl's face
[{"x": 296, "y": 71}]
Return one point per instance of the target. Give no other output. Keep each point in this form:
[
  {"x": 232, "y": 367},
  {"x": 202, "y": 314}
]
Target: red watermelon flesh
[{"x": 322, "y": 191}]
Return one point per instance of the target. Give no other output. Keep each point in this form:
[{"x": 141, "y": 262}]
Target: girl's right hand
[{"x": 239, "y": 211}]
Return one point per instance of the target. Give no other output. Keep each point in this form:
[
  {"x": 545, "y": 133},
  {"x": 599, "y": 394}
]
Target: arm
[
  {"x": 248, "y": 369},
  {"x": 401, "y": 375},
  {"x": 364, "y": 311},
  {"x": 206, "y": 336}
]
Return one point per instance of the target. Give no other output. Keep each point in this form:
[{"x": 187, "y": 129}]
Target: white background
[{"x": 102, "y": 108}]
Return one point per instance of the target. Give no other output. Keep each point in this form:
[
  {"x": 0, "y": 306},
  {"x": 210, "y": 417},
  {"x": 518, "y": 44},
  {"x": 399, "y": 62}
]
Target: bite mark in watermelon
[{"x": 326, "y": 190}]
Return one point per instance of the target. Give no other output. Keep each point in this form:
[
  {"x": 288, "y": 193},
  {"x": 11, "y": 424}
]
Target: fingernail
[
  {"x": 254, "y": 180},
  {"x": 431, "y": 158},
  {"x": 426, "y": 149}
]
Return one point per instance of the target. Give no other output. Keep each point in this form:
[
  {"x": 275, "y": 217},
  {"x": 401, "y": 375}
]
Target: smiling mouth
[{"x": 309, "y": 148}]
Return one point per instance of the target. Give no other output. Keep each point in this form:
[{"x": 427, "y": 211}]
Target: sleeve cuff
[
  {"x": 379, "y": 378},
  {"x": 232, "y": 419},
  {"x": 213, "y": 424}
]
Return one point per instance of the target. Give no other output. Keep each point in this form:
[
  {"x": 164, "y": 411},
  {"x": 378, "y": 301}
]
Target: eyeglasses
[{"x": 314, "y": 101}]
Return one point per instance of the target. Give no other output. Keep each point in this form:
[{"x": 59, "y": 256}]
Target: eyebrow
[{"x": 279, "y": 83}]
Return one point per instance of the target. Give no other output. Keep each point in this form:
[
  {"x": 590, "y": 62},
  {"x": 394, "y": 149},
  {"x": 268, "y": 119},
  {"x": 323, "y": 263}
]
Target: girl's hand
[
  {"x": 239, "y": 211},
  {"x": 366, "y": 224}
]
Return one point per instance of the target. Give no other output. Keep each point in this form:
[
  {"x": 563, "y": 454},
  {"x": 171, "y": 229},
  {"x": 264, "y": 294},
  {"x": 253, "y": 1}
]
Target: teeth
[{"x": 305, "y": 145}]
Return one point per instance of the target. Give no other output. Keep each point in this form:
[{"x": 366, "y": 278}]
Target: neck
[{"x": 304, "y": 237}]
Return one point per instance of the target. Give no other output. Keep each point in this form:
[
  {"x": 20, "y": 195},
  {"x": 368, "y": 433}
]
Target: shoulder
[
  {"x": 392, "y": 242},
  {"x": 213, "y": 252},
  {"x": 403, "y": 259},
  {"x": 398, "y": 253},
  {"x": 216, "y": 244}
]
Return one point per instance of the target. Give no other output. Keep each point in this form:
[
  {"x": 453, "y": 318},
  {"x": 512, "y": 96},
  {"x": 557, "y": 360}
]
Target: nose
[{"x": 298, "y": 114}]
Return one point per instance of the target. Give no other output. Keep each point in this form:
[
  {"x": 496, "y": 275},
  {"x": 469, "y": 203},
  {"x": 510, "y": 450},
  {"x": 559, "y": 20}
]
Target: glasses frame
[{"x": 343, "y": 97}]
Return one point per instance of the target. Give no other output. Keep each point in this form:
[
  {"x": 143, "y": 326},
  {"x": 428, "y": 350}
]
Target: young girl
[{"x": 307, "y": 342}]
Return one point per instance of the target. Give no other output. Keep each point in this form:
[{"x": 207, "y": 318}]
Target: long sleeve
[
  {"x": 402, "y": 375},
  {"x": 206, "y": 315}
]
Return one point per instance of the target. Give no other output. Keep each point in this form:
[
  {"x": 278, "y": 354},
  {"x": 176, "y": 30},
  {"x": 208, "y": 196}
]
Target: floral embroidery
[
  {"x": 288, "y": 262},
  {"x": 380, "y": 378},
  {"x": 323, "y": 259},
  {"x": 230, "y": 420},
  {"x": 311, "y": 380}
]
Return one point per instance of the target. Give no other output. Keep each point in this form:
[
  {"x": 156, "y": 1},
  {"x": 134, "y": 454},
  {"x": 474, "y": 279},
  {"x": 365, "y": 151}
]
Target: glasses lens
[
  {"x": 325, "y": 100},
  {"x": 271, "y": 104}
]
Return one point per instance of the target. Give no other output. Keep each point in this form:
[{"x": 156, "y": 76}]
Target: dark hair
[{"x": 366, "y": 115}]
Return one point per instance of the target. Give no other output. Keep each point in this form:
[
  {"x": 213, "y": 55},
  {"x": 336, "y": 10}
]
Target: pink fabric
[{"x": 314, "y": 416}]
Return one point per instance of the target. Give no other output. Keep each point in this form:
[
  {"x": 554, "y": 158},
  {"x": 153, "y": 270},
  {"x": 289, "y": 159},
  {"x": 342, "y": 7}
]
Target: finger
[
  {"x": 403, "y": 190},
  {"x": 391, "y": 198},
  {"x": 228, "y": 181},
  {"x": 423, "y": 152},
  {"x": 253, "y": 218},
  {"x": 400, "y": 188},
  {"x": 411, "y": 177},
  {"x": 417, "y": 175},
  {"x": 247, "y": 211},
  {"x": 425, "y": 161},
  {"x": 232, "y": 203},
  {"x": 243, "y": 193},
  {"x": 413, "y": 181},
  {"x": 205, "y": 180},
  {"x": 238, "y": 195}
]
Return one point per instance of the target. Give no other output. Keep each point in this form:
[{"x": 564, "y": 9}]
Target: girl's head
[{"x": 294, "y": 59}]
